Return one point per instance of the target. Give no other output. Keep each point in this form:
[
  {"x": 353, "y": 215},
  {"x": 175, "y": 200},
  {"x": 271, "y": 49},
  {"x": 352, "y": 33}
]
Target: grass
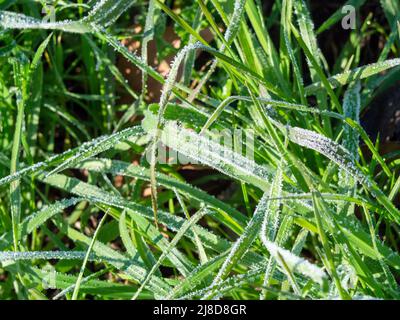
[{"x": 86, "y": 205}]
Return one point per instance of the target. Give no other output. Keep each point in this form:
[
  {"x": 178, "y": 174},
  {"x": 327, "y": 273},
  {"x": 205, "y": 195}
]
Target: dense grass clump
[{"x": 248, "y": 175}]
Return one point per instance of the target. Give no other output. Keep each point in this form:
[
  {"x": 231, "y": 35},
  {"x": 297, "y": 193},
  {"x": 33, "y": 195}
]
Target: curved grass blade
[
  {"x": 80, "y": 276},
  {"x": 355, "y": 74},
  {"x": 186, "y": 225},
  {"x": 71, "y": 157}
]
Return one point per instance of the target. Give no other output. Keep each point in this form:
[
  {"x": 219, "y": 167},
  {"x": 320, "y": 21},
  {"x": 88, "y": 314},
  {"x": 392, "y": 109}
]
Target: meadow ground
[{"x": 207, "y": 149}]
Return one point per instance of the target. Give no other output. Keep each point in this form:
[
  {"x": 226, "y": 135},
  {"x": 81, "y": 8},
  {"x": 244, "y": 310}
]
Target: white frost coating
[
  {"x": 356, "y": 74},
  {"x": 329, "y": 148},
  {"x": 47, "y": 255},
  {"x": 166, "y": 91},
  {"x": 171, "y": 78},
  {"x": 71, "y": 157},
  {"x": 42, "y": 215},
  {"x": 235, "y": 22},
  {"x": 364, "y": 71},
  {"x": 105, "y": 12},
  {"x": 351, "y": 138},
  {"x": 228, "y": 284},
  {"x": 247, "y": 237},
  {"x": 351, "y": 109},
  {"x": 210, "y": 153},
  {"x": 307, "y": 32},
  {"x": 295, "y": 263},
  {"x": 96, "y": 146},
  {"x": 270, "y": 223},
  {"x": 12, "y": 20}
]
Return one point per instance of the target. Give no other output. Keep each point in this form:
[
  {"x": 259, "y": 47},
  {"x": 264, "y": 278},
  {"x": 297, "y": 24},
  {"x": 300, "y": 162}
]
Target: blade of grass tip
[
  {"x": 270, "y": 222},
  {"x": 296, "y": 69},
  {"x": 318, "y": 69},
  {"x": 186, "y": 225},
  {"x": 338, "y": 15},
  {"x": 191, "y": 57},
  {"x": 389, "y": 276},
  {"x": 243, "y": 243},
  {"x": 289, "y": 273},
  {"x": 200, "y": 248},
  {"x": 307, "y": 31},
  {"x": 96, "y": 146},
  {"x": 84, "y": 280},
  {"x": 314, "y": 57},
  {"x": 36, "y": 77},
  {"x": 351, "y": 109},
  {"x": 321, "y": 231},
  {"x": 229, "y": 36},
  {"x": 20, "y": 69},
  {"x": 73, "y": 156},
  {"x": 124, "y": 233},
  {"x": 359, "y": 73},
  {"x": 39, "y": 53},
  {"x": 80, "y": 276},
  {"x": 148, "y": 35}
]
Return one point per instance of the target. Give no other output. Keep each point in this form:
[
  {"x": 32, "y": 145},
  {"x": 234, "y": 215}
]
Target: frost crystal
[{"x": 295, "y": 263}]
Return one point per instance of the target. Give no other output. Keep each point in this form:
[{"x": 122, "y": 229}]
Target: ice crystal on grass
[
  {"x": 351, "y": 109},
  {"x": 47, "y": 255},
  {"x": 105, "y": 12},
  {"x": 96, "y": 146},
  {"x": 147, "y": 37},
  {"x": 271, "y": 219},
  {"x": 171, "y": 78},
  {"x": 327, "y": 147},
  {"x": 355, "y": 75},
  {"x": 234, "y": 24},
  {"x": 73, "y": 156},
  {"x": 12, "y": 20},
  {"x": 206, "y": 151},
  {"x": 295, "y": 263},
  {"x": 245, "y": 240}
]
